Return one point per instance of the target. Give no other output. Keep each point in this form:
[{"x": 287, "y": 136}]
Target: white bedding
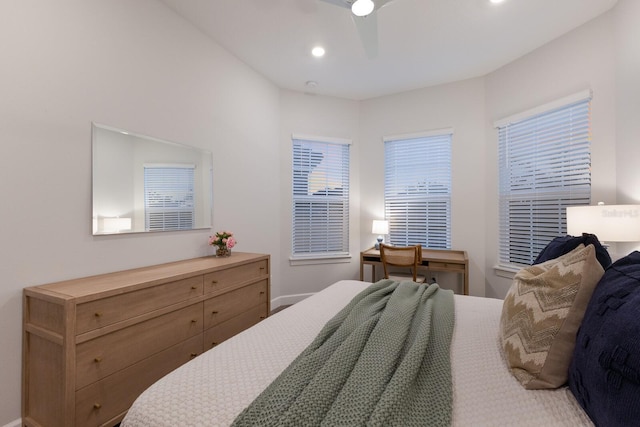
[{"x": 214, "y": 388}]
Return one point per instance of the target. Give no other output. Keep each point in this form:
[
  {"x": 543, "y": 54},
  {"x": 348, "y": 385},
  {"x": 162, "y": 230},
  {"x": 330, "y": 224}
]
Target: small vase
[{"x": 223, "y": 251}]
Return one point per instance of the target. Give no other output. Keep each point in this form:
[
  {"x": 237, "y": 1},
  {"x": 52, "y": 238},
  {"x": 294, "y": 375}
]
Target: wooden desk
[{"x": 432, "y": 259}]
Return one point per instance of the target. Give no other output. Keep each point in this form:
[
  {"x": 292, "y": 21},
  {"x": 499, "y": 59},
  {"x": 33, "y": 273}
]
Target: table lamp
[
  {"x": 610, "y": 223},
  {"x": 381, "y": 228}
]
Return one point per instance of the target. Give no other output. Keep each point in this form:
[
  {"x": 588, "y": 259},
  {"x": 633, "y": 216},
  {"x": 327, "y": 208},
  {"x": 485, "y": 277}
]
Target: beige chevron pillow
[{"x": 541, "y": 315}]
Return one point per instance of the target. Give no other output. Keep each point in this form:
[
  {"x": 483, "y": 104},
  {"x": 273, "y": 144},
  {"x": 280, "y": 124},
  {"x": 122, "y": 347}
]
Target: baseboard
[
  {"x": 288, "y": 300},
  {"x": 14, "y": 423}
]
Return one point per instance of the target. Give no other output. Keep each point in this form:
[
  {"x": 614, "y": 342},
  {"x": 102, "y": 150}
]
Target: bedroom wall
[
  {"x": 581, "y": 59},
  {"x": 627, "y": 60},
  {"x": 137, "y": 66},
  {"x": 324, "y": 116},
  {"x": 459, "y": 106}
]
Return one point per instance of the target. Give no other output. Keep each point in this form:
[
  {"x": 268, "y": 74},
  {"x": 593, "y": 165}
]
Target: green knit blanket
[{"x": 383, "y": 360}]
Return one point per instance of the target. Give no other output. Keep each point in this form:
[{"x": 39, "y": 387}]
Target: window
[
  {"x": 417, "y": 189},
  {"x": 320, "y": 198},
  {"x": 544, "y": 166},
  {"x": 168, "y": 197}
]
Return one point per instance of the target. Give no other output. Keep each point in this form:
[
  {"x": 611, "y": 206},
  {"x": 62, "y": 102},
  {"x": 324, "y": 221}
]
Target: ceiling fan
[{"x": 364, "y": 17}]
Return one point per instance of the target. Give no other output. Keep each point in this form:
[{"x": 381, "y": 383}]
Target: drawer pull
[
  {"x": 214, "y": 312},
  {"x": 98, "y": 314},
  {"x": 213, "y": 282},
  {"x": 194, "y": 287},
  {"x": 263, "y": 317},
  {"x": 261, "y": 268},
  {"x": 193, "y": 355},
  {"x": 261, "y": 292},
  {"x": 194, "y": 321},
  {"x": 213, "y": 344},
  {"x": 97, "y": 405},
  {"x": 98, "y": 359}
]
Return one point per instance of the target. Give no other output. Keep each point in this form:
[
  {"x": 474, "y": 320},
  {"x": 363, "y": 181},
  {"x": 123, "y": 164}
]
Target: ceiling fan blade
[
  {"x": 342, "y": 3},
  {"x": 367, "y": 27},
  {"x": 379, "y": 3}
]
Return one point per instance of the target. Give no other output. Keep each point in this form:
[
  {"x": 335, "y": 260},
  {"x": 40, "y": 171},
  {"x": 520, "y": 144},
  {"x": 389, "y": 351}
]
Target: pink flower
[{"x": 231, "y": 242}]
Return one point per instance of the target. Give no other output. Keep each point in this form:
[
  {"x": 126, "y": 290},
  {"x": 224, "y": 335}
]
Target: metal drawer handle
[
  {"x": 214, "y": 312},
  {"x": 261, "y": 268},
  {"x": 97, "y": 405},
  {"x": 98, "y": 359},
  {"x": 194, "y": 287},
  {"x": 263, "y": 317},
  {"x": 213, "y": 282},
  {"x": 193, "y": 321},
  {"x": 261, "y": 292},
  {"x": 98, "y": 314},
  {"x": 213, "y": 344},
  {"x": 192, "y": 355}
]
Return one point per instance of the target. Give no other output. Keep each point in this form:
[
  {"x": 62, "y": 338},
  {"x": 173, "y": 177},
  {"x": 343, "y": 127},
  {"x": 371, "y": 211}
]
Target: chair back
[{"x": 401, "y": 256}]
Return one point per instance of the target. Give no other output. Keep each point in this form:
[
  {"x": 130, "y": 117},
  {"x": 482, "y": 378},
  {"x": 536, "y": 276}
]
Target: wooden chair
[{"x": 405, "y": 256}]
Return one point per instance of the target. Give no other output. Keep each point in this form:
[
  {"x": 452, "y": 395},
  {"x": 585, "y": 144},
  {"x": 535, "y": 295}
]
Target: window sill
[
  {"x": 506, "y": 271},
  {"x": 319, "y": 259}
]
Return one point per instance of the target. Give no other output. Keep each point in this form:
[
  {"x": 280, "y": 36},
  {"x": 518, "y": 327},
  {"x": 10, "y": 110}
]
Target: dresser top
[{"x": 144, "y": 276}]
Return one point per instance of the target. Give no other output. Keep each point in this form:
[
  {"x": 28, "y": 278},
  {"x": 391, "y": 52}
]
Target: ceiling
[{"x": 421, "y": 42}]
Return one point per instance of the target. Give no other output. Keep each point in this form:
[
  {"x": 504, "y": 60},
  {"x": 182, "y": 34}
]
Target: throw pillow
[
  {"x": 542, "y": 313},
  {"x": 565, "y": 244},
  {"x": 604, "y": 375}
]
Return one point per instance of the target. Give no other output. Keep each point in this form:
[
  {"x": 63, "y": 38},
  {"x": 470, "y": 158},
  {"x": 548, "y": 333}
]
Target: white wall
[
  {"x": 459, "y": 106},
  {"x": 627, "y": 50},
  {"x": 137, "y": 66},
  {"x": 627, "y": 61},
  {"x": 581, "y": 59}
]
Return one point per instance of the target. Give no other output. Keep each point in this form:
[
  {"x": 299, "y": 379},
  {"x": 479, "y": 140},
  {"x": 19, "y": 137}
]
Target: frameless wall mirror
[{"x": 143, "y": 184}]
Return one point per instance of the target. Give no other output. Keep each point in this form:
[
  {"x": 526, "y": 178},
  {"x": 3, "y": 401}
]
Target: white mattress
[{"x": 214, "y": 388}]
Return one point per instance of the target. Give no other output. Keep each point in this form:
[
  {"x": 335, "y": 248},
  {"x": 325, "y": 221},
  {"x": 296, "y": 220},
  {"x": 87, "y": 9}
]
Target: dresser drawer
[
  {"x": 109, "y": 353},
  {"x": 225, "y": 330},
  {"x": 221, "y": 280},
  {"x": 111, "y": 397},
  {"x": 225, "y": 306},
  {"x": 96, "y": 314}
]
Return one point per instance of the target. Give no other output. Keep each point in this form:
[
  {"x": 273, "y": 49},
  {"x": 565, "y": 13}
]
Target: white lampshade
[
  {"x": 380, "y": 227},
  {"x": 610, "y": 223},
  {"x": 362, "y": 7}
]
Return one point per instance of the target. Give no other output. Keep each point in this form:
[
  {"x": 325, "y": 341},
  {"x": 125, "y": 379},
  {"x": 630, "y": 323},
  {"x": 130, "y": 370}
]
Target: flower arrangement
[{"x": 224, "y": 241}]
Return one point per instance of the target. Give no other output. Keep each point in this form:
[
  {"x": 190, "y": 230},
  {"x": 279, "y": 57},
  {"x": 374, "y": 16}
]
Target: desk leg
[
  {"x": 361, "y": 271},
  {"x": 466, "y": 280}
]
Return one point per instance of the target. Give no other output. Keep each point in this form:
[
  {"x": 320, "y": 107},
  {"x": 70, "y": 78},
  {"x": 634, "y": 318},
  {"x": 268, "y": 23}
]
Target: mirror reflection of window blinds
[{"x": 169, "y": 197}]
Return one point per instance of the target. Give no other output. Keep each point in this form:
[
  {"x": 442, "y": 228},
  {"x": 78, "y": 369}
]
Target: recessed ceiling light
[
  {"x": 496, "y": 1},
  {"x": 317, "y": 51},
  {"x": 362, "y": 7}
]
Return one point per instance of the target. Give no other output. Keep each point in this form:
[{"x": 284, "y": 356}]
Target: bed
[{"x": 214, "y": 388}]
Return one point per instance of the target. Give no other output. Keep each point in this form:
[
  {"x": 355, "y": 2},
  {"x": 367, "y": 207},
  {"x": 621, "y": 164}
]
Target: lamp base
[{"x": 378, "y": 243}]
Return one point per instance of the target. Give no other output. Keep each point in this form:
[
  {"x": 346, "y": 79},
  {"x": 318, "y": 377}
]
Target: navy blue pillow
[
  {"x": 563, "y": 245},
  {"x": 604, "y": 374}
]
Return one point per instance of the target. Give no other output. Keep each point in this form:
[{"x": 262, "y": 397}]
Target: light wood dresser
[{"x": 92, "y": 345}]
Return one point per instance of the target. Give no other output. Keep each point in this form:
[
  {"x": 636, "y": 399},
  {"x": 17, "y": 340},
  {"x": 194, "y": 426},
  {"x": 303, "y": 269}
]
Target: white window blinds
[
  {"x": 320, "y": 198},
  {"x": 168, "y": 197},
  {"x": 417, "y": 190},
  {"x": 545, "y": 166}
]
